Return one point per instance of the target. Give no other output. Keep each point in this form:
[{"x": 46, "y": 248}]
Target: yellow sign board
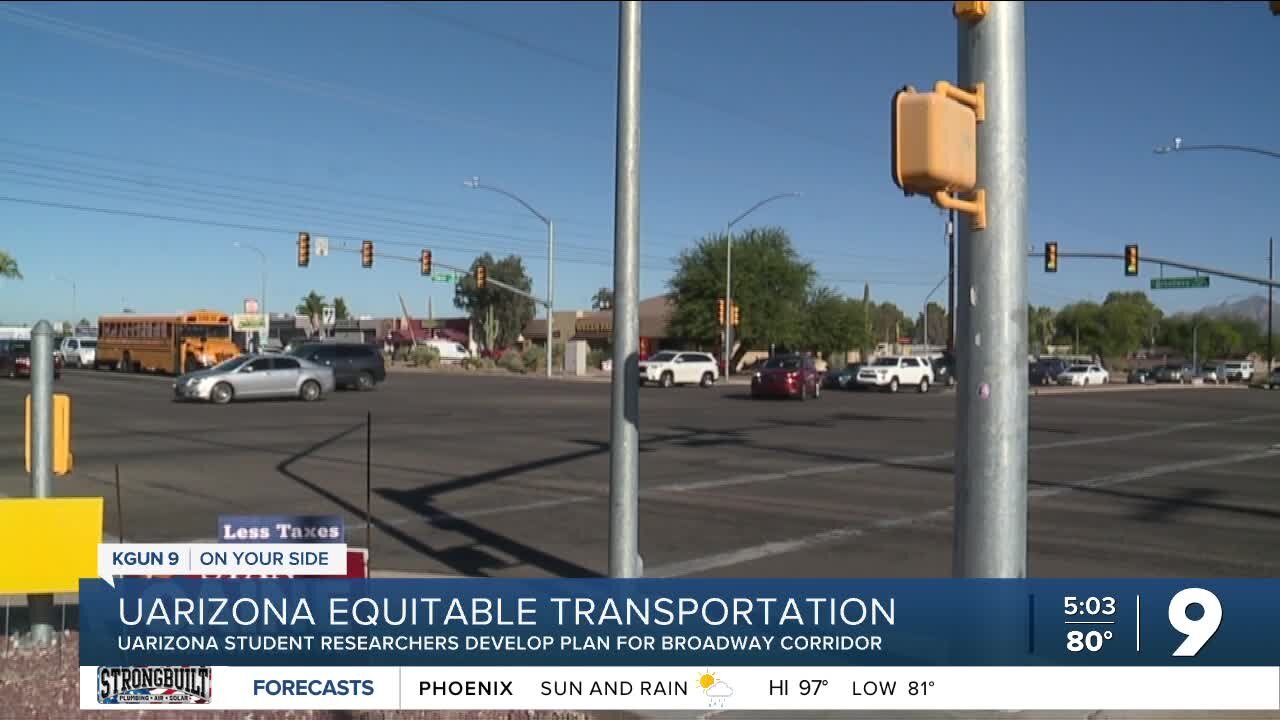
[
  {"x": 63, "y": 462},
  {"x": 48, "y": 544}
]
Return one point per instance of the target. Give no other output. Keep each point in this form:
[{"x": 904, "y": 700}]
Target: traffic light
[
  {"x": 482, "y": 277},
  {"x": 366, "y": 253},
  {"x": 1051, "y": 257},
  {"x": 1130, "y": 260},
  {"x": 737, "y": 314},
  {"x": 304, "y": 249},
  {"x": 426, "y": 262},
  {"x": 720, "y": 311}
]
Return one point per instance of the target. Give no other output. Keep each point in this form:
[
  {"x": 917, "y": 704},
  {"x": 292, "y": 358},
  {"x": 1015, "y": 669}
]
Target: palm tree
[
  {"x": 9, "y": 267},
  {"x": 602, "y": 300},
  {"x": 340, "y": 311},
  {"x": 312, "y": 306}
]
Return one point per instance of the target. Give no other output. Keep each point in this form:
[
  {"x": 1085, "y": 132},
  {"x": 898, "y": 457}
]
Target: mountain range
[{"x": 1253, "y": 308}]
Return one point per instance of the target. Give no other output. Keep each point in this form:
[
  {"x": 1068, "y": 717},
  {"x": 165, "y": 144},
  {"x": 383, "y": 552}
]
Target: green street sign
[
  {"x": 1180, "y": 283},
  {"x": 444, "y": 277}
]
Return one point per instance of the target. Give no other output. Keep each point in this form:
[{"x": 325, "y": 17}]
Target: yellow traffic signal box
[
  {"x": 63, "y": 462},
  {"x": 482, "y": 277},
  {"x": 304, "y": 249},
  {"x": 935, "y": 143},
  {"x": 1051, "y": 257},
  {"x": 720, "y": 311},
  {"x": 366, "y": 253},
  {"x": 426, "y": 262},
  {"x": 737, "y": 314},
  {"x": 1130, "y": 260}
]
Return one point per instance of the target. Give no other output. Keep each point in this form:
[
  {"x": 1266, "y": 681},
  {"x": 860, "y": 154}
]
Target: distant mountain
[{"x": 1253, "y": 308}]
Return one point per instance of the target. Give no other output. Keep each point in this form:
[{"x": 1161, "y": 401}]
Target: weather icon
[{"x": 716, "y": 690}]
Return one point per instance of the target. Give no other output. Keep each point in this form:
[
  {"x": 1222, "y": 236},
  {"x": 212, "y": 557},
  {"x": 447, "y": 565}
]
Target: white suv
[
  {"x": 79, "y": 351},
  {"x": 891, "y": 371},
  {"x": 1236, "y": 370},
  {"x": 669, "y": 368}
]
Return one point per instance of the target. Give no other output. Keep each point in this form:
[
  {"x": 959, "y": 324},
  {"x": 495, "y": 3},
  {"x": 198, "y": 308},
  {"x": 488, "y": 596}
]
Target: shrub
[
  {"x": 426, "y": 357},
  {"x": 535, "y": 360},
  {"x": 512, "y": 361},
  {"x": 596, "y": 358},
  {"x": 472, "y": 363}
]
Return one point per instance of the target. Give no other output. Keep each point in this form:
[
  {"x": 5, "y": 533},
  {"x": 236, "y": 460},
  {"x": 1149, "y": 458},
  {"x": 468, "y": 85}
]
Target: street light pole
[
  {"x": 1178, "y": 147},
  {"x": 266, "y": 330},
  {"x": 728, "y": 277},
  {"x": 475, "y": 184}
]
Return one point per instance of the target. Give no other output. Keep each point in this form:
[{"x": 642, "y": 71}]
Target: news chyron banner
[{"x": 679, "y": 644}]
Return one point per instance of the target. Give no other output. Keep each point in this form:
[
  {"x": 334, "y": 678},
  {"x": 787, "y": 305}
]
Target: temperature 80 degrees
[{"x": 1091, "y": 641}]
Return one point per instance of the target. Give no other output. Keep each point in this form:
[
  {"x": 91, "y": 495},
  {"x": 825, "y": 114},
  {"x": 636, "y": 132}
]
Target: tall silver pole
[
  {"x": 1271, "y": 289},
  {"x": 728, "y": 300},
  {"x": 551, "y": 294},
  {"x": 991, "y": 443},
  {"x": 624, "y": 443},
  {"x": 41, "y": 606}
]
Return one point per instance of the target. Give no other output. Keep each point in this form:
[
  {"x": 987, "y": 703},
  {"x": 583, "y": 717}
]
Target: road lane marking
[{"x": 836, "y": 535}]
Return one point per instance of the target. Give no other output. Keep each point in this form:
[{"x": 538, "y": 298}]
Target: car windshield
[
  {"x": 663, "y": 357},
  {"x": 1079, "y": 368},
  {"x": 887, "y": 362},
  {"x": 783, "y": 364},
  {"x": 206, "y": 331},
  {"x": 232, "y": 364},
  {"x": 21, "y": 346}
]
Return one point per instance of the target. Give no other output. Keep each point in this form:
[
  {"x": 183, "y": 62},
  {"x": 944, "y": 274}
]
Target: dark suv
[
  {"x": 1045, "y": 371},
  {"x": 354, "y": 364}
]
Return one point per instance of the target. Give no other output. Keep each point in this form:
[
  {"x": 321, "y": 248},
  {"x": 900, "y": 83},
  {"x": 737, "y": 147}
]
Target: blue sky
[{"x": 362, "y": 120}]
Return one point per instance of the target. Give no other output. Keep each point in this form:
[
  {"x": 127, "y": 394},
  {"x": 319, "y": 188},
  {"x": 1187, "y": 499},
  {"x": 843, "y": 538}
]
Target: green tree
[
  {"x": 889, "y": 322},
  {"x": 1127, "y": 320},
  {"x": 500, "y": 315},
  {"x": 829, "y": 325},
  {"x": 9, "y": 267},
  {"x": 340, "y": 309},
  {"x": 312, "y": 307},
  {"x": 1041, "y": 327},
  {"x": 771, "y": 285},
  {"x": 937, "y": 323},
  {"x": 1080, "y": 325},
  {"x": 602, "y": 300}
]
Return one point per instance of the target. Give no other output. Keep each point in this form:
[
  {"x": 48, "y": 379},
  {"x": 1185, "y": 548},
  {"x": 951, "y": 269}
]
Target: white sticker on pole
[
  {"x": 322, "y": 246},
  {"x": 212, "y": 559}
]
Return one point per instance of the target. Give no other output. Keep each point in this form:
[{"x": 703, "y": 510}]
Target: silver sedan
[{"x": 256, "y": 376}]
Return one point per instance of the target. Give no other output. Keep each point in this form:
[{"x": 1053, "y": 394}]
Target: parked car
[
  {"x": 670, "y": 367},
  {"x": 1237, "y": 370},
  {"x": 256, "y": 376},
  {"x": 787, "y": 376},
  {"x": 15, "y": 359},
  {"x": 1142, "y": 376},
  {"x": 1084, "y": 375},
  {"x": 79, "y": 352},
  {"x": 1212, "y": 374},
  {"x": 944, "y": 369},
  {"x": 1170, "y": 373},
  {"x": 1275, "y": 377},
  {"x": 1045, "y": 371},
  {"x": 892, "y": 371},
  {"x": 354, "y": 364},
  {"x": 842, "y": 379}
]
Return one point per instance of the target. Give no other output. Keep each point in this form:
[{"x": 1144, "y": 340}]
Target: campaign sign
[
  {"x": 281, "y": 529},
  {"x": 680, "y": 622}
]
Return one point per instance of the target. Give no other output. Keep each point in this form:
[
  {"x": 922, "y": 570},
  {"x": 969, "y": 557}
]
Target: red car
[
  {"x": 787, "y": 376},
  {"x": 15, "y": 359}
]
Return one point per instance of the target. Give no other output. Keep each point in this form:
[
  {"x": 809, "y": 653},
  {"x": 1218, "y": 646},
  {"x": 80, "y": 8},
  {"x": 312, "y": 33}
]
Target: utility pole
[
  {"x": 624, "y": 435},
  {"x": 1271, "y": 275},
  {"x": 991, "y": 442}
]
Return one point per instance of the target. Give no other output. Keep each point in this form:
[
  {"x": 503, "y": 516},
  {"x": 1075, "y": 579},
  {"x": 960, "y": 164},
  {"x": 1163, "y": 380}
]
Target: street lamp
[
  {"x": 728, "y": 277},
  {"x": 475, "y": 184},
  {"x": 72, "y": 283},
  {"x": 1179, "y": 147},
  {"x": 266, "y": 328}
]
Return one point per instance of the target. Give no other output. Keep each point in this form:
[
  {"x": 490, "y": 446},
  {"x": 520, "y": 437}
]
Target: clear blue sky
[{"x": 366, "y": 118}]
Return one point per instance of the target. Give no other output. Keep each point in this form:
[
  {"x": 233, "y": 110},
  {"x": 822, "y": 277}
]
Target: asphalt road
[{"x": 506, "y": 476}]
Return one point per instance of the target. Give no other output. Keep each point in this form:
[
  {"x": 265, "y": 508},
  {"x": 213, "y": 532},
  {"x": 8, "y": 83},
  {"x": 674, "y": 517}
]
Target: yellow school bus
[{"x": 172, "y": 344}]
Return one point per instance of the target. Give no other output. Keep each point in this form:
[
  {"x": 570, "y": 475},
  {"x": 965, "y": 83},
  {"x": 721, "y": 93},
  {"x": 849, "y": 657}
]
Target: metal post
[
  {"x": 624, "y": 442},
  {"x": 728, "y": 300},
  {"x": 41, "y": 606},
  {"x": 991, "y": 443},
  {"x": 951, "y": 281},
  {"x": 551, "y": 293},
  {"x": 1271, "y": 275}
]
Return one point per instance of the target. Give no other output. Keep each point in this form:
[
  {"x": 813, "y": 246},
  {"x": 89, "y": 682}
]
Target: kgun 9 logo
[{"x": 1198, "y": 631}]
